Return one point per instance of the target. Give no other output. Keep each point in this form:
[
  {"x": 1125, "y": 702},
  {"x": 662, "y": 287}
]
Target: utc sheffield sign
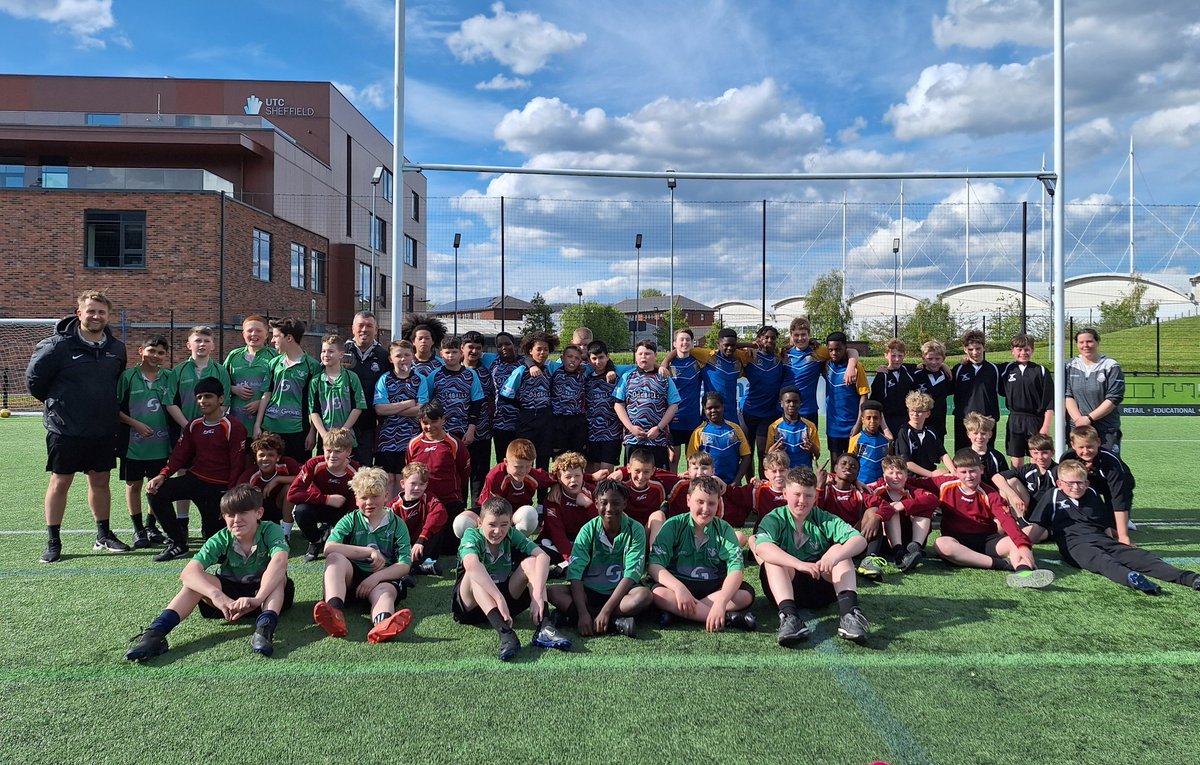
[{"x": 275, "y": 106}]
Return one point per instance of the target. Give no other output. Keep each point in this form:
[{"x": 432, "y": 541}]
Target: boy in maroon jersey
[
  {"x": 447, "y": 458},
  {"x": 424, "y": 515},
  {"x": 969, "y": 518},
  {"x": 759, "y": 496},
  {"x": 272, "y": 474},
  {"x": 648, "y": 487},
  {"x": 321, "y": 492},
  {"x": 515, "y": 478},
  {"x": 213, "y": 450},
  {"x": 908, "y": 503},
  {"x": 568, "y": 507},
  {"x": 863, "y": 510}
]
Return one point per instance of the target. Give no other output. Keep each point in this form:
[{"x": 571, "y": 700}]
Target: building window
[
  {"x": 364, "y": 285},
  {"x": 299, "y": 255},
  {"x": 104, "y": 120},
  {"x": 416, "y": 206},
  {"x": 54, "y": 177},
  {"x": 12, "y": 174},
  {"x": 387, "y": 185},
  {"x": 410, "y": 251},
  {"x": 260, "y": 256},
  {"x": 317, "y": 272},
  {"x": 409, "y": 298},
  {"x": 115, "y": 239},
  {"x": 383, "y": 290},
  {"x": 379, "y": 234}
]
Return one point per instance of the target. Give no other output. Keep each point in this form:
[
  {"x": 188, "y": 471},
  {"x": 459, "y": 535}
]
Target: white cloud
[
  {"x": 377, "y": 95},
  {"x": 500, "y": 82},
  {"x": 521, "y": 41},
  {"x": 1092, "y": 138},
  {"x": 85, "y": 19},
  {"x": 850, "y": 134},
  {"x": 986, "y": 23},
  {"x": 1178, "y": 127}
]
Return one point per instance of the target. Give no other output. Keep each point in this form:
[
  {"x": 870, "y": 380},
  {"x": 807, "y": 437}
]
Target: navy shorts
[{"x": 67, "y": 455}]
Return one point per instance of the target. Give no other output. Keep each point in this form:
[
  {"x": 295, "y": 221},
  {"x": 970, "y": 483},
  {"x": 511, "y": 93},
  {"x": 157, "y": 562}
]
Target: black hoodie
[{"x": 77, "y": 381}]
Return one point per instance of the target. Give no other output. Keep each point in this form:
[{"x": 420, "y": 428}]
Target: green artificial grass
[{"x": 959, "y": 668}]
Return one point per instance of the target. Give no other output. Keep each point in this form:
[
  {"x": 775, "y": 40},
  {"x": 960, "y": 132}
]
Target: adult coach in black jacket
[
  {"x": 365, "y": 357},
  {"x": 74, "y": 372}
]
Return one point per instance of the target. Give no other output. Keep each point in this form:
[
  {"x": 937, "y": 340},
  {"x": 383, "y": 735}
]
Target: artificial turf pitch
[{"x": 959, "y": 668}]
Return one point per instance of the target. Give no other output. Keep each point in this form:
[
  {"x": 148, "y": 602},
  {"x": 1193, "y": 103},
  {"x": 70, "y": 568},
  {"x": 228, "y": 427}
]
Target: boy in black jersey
[
  {"x": 976, "y": 387},
  {"x": 1028, "y": 391},
  {"x": 1023, "y": 486},
  {"x": 920, "y": 446}
]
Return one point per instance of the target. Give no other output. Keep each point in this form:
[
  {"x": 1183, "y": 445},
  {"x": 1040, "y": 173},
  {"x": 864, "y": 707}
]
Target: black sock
[
  {"x": 897, "y": 552},
  {"x": 1022, "y": 567},
  {"x": 497, "y": 621},
  {"x": 137, "y": 522},
  {"x": 152, "y": 522},
  {"x": 788, "y": 608},
  {"x": 380, "y": 617},
  {"x": 102, "y": 527},
  {"x": 337, "y": 603},
  {"x": 847, "y": 601},
  {"x": 166, "y": 621},
  {"x": 53, "y": 532},
  {"x": 1001, "y": 564}
]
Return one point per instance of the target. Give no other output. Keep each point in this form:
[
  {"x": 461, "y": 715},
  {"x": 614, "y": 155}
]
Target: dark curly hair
[{"x": 414, "y": 321}]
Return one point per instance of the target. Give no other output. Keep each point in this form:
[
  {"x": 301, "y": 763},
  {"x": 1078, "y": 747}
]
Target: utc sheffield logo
[
  {"x": 253, "y": 105},
  {"x": 275, "y": 106}
]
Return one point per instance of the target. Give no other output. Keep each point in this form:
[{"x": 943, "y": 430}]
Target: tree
[
  {"x": 710, "y": 340},
  {"x": 606, "y": 323},
  {"x": 1130, "y": 310},
  {"x": 538, "y": 317},
  {"x": 664, "y": 325},
  {"x": 930, "y": 320},
  {"x": 652, "y": 292},
  {"x": 826, "y": 309}
]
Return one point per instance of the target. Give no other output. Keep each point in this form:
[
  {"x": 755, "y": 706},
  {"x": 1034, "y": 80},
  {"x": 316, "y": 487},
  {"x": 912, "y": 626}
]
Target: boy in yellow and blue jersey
[
  {"x": 723, "y": 440},
  {"x": 842, "y": 400},
  {"x": 793, "y": 433}
]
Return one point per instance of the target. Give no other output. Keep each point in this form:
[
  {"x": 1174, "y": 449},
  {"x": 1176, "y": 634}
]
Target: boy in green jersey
[
  {"x": 365, "y": 557},
  {"x": 198, "y": 365},
  {"x": 249, "y": 369},
  {"x": 251, "y": 578},
  {"x": 335, "y": 395},
  {"x": 145, "y": 439},
  {"x": 283, "y": 408},
  {"x": 500, "y": 574},
  {"x": 807, "y": 561},
  {"x": 696, "y": 564},
  {"x": 608, "y": 559}
]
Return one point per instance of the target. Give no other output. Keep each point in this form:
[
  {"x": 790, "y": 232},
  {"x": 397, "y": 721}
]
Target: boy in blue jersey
[
  {"x": 721, "y": 369},
  {"x": 531, "y": 395},
  {"x": 870, "y": 444},
  {"x": 685, "y": 371},
  {"x": 481, "y": 448},
  {"x": 395, "y": 400},
  {"x": 425, "y": 333},
  {"x": 604, "y": 429},
  {"x": 504, "y": 421},
  {"x": 764, "y": 371},
  {"x": 793, "y": 434},
  {"x": 646, "y": 402},
  {"x": 843, "y": 401},
  {"x": 567, "y": 402},
  {"x": 803, "y": 362},
  {"x": 457, "y": 388},
  {"x": 723, "y": 440}
]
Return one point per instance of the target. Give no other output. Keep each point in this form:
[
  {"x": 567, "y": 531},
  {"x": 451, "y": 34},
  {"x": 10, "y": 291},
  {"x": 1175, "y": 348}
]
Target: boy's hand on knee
[
  {"x": 716, "y": 617},
  {"x": 154, "y": 484},
  {"x": 684, "y": 600}
]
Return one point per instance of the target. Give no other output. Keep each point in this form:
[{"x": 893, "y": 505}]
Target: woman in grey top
[{"x": 1095, "y": 388}]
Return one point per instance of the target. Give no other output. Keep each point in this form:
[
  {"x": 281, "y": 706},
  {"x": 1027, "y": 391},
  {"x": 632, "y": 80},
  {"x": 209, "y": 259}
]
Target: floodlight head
[
  {"x": 670, "y": 179},
  {"x": 637, "y": 242},
  {"x": 457, "y": 240},
  {"x": 579, "y": 292},
  {"x": 896, "y": 245},
  {"x": 377, "y": 176},
  {"x": 1050, "y": 183}
]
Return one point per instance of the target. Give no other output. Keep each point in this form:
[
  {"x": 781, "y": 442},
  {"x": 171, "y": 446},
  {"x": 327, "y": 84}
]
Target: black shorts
[
  {"x": 702, "y": 589},
  {"x": 360, "y": 576},
  {"x": 570, "y": 434},
  {"x": 608, "y": 452},
  {"x": 548, "y": 547},
  {"x": 1017, "y": 432},
  {"x": 235, "y": 589},
  {"x": 806, "y": 591},
  {"x": 755, "y": 424},
  {"x": 680, "y": 436},
  {"x": 981, "y": 543},
  {"x": 464, "y": 615},
  {"x": 67, "y": 455},
  {"x": 140, "y": 470},
  {"x": 392, "y": 462},
  {"x": 594, "y": 602},
  {"x": 293, "y": 446}
]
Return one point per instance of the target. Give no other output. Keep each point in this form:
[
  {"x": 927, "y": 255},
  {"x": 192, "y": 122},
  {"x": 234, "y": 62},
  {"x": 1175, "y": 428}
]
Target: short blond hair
[
  {"x": 95, "y": 295},
  {"x": 370, "y": 482},
  {"x": 933, "y": 346},
  {"x": 338, "y": 439},
  {"x": 331, "y": 339},
  {"x": 700, "y": 458},
  {"x": 1072, "y": 468},
  {"x": 916, "y": 401},
  {"x": 419, "y": 469},
  {"x": 777, "y": 459},
  {"x": 976, "y": 422}
]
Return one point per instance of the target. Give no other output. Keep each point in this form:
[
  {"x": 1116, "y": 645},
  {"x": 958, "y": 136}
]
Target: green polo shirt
[
  {"x": 390, "y": 537},
  {"x": 711, "y": 558},
  {"x": 184, "y": 380},
  {"x": 503, "y": 561},
  {"x": 286, "y": 408},
  {"x": 253, "y": 373},
  {"x": 222, "y": 549},
  {"x": 821, "y": 531},
  {"x": 601, "y": 563},
  {"x": 146, "y": 402}
]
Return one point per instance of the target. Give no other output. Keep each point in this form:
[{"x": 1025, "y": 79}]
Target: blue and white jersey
[
  {"x": 688, "y": 379},
  {"x": 506, "y": 411},
  {"x": 566, "y": 392},
  {"x": 793, "y": 435},
  {"x": 870, "y": 450},
  {"x": 842, "y": 400},
  {"x": 646, "y": 396},
  {"x": 603, "y": 423},
  {"x": 425, "y": 368},
  {"x": 802, "y": 368},
  {"x": 727, "y": 445},
  {"x": 487, "y": 412},
  {"x": 764, "y": 371},
  {"x": 456, "y": 391},
  {"x": 530, "y": 393},
  {"x": 392, "y": 433}
]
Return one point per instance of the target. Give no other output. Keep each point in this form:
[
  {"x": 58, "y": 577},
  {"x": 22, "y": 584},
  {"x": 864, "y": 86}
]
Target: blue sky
[{"x": 748, "y": 86}]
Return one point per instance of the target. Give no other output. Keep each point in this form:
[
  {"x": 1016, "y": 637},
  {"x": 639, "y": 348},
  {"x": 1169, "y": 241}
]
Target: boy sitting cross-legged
[
  {"x": 807, "y": 562},
  {"x": 252, "y": 578},
  {"x": 500, "y": 574},
  {"x": 840, "y": 494},
  {"x": 608, "y": 559},
  {"x": 696, "y": 564},
  {"x": 909, "y": 504},
  {"x": 366, "y": 555}
]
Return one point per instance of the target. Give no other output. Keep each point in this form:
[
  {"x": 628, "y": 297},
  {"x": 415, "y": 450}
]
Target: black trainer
[
  {"x": 408, "y": 582},
  {"x": 262, "y": 641},
  {"x": 792, "y": 630},
  {"x": 108, "y": 542},
  {"x": 155, "y": 535},
  {"x": 549, "y": 636},
  {"x": 624, "y": 625},
  {"x": 53, "y": 551},
  {"x": 853, "y": 626},
  {"x": 1140, "y": 583},
  {"x": 141, "y": 540},
  {"x": 174, "y": 550},
  {"x": 148, "y": 644},
  {"x": 665, "y": 619},
  {"x": 510, "y": 645},
  {"x": 911, "y": 558},
  {"x": 314, "y": 551},
  {"x": 743, "y": 620}
]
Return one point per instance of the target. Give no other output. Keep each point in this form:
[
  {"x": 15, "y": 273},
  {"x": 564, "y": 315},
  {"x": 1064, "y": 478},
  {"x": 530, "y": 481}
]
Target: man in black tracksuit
[
  {"x": 74, "y": 372},
  {"x": 365, "y": 357}
]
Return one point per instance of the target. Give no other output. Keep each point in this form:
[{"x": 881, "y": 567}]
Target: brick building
[{"x": 491, "y": 308}]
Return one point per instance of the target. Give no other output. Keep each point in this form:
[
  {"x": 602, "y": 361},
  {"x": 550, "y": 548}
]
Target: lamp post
[
  {"x": 376, "y": 177},
  {"x": 895, "y": 288},
  {"x": 579, "y": 293},
  {"x": 457, "y": 241},
  {"x": 671, "y": 299},
  {"x": 637, "y": 297}
]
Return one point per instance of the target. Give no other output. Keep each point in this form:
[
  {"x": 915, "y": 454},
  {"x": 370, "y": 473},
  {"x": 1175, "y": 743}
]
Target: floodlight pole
[
  {"x": 1060, "y": 327},
  {"x": 671, "y": 299},
  {"x": 637, "y": 296},
  {"x": 398, "y": 168},
  {"x": 457, "y": 242},
  {"x": 895, "y": 289}
]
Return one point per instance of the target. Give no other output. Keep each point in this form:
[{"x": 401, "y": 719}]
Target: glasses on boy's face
[{"x": 1075, "y": 484}]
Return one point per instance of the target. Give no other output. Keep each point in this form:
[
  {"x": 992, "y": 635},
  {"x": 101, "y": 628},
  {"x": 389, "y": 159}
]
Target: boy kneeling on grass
[
  {"x": 251, "y": 581},
  {"x": 500, "y": 574},
  {"x": 807, "y": 559},
  {"x": 696, "y": 564},
  {"x": 365, "y": 557}
]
